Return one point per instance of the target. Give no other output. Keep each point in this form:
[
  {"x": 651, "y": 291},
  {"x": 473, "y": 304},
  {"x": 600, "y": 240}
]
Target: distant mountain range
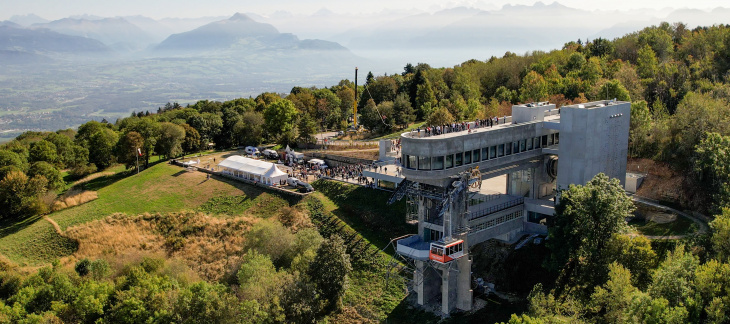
[
  {"x": 458, "y": 33},
  {"x": 27, "y": 20},
  {"x": 239, "y": 33},
  {"x": 88, "y": 34},
  {"x": 87, "y": 66},
  {"x": 45, "y": 41},
  {"x": 117, "y": 33}
]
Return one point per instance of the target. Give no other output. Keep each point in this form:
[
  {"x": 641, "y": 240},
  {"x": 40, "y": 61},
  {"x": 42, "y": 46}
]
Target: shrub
[{"x": 82, "y": 267}]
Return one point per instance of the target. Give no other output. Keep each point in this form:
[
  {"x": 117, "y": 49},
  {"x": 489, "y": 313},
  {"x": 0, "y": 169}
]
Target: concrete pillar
[
  {"x": 419, "y": 282},
  {"x": 445, "y": 302},
  {"x": 421, "y": 217},
  {"x": 464, "y": 292}
]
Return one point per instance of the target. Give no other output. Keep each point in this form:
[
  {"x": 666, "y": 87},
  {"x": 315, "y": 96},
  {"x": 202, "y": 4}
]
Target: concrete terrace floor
[{"x": 501, "y": 125}]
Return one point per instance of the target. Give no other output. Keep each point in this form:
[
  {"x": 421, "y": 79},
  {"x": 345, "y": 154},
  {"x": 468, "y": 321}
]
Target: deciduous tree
[
  {"x": 170, "y": 140},
  {"x": 101, "y": 148},
  {"x": 586, "y": 218},
  {"x": 127, "y": 148},
  {"x": 44, "y": 169},
  {"x": 330, "y": 273}
]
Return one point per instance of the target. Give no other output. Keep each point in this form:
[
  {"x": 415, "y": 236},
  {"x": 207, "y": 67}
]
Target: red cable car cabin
[{"x": 446, "y": 252}]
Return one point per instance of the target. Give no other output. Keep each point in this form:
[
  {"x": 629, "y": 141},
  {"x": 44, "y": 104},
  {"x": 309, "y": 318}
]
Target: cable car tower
[{"x": 438, "y": 257}]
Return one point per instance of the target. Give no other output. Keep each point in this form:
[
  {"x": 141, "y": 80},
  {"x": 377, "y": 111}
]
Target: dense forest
[{"x": 677, "y": 79}]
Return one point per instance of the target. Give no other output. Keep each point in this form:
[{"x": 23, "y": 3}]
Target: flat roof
[
  {"x": 595, "y": 104},
  {"x": 483, "y": 129}
]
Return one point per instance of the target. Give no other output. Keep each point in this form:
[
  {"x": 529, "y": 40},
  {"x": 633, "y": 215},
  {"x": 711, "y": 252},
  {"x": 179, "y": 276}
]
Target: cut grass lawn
[
  {"x": 161, "y": 188},
  {"x": 681, "y": 226}
]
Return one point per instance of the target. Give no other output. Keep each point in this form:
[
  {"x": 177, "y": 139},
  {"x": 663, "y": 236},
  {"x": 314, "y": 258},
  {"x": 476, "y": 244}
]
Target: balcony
[{"x": 413, "y": 247}]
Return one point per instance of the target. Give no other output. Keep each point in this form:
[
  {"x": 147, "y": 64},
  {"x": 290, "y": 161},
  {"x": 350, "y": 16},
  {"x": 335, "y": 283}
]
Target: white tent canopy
[
  {"x": 250, "y": 169},
  {"x": 274, "y": 172}
]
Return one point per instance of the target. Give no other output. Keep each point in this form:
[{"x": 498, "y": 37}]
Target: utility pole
[
  {"x": 354, "y": 109},
  {"x": 136, "y": 154}
]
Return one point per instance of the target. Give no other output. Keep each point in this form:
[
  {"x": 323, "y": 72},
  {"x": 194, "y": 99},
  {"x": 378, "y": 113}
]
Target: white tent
[
  {"x": 275, "y": 174},
  {"x": 250, "y": 169}
]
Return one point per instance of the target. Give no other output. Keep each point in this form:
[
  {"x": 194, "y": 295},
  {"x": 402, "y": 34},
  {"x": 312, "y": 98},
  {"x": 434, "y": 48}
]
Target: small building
[{"x": 253, "y": 170}]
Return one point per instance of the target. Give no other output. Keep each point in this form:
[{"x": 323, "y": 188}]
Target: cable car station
[{"x": 539, "y": 150}]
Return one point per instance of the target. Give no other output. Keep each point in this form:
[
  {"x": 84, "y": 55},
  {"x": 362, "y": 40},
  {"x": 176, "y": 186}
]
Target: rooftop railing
[{"x": 463, "y": 127}]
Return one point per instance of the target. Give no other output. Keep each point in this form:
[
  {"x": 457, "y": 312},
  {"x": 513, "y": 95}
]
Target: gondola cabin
[{"x": 446, "y": 252}]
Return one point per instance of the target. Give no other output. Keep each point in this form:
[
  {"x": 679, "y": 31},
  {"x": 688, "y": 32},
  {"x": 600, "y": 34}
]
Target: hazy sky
[{"x": 55, "y": 9}]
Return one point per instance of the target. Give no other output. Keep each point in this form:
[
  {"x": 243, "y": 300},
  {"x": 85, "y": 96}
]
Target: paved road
[{"x": 328, "y": 135}]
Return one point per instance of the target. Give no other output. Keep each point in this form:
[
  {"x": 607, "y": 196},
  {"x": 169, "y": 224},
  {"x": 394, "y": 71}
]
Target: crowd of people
[
  {"x": 434, "y": 130},
  {"x": 348, "y": 172}
]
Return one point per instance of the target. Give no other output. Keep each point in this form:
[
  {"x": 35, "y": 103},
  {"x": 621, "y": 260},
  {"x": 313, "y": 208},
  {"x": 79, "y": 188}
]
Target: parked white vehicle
[
  {"x": 251, "y": 150},
  {"x": 317, "y": 164},
  {"x": 270, "y": 154}
]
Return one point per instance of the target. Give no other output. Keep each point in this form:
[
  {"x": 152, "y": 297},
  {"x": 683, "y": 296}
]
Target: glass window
[
  {"x": 485, "y": 153},
  {"x": 412, "y": 162},
  {"x": 529, "y": 144},
  {"x": 557, "y": 138},
  {"x": 424, "y": 163},
  {"x": 437, "y": 163},
  {"x": 493, "y": 152},
  {"x": 508, "y": 149},
  {"x": 551, "y": 139},
  {"x": 458, "y": 160},
  {"x": 500, "y": 150},
  {"x": 516, "y": 147},
  {"x": 475, "y": 155},
  {"x": 537, "y": 142},
  {"x": 449, "y": 161},
  {"x": 544, "y": 140},
  {"x": 467, "y": 157},
  {"x": 523, "y": 145}
]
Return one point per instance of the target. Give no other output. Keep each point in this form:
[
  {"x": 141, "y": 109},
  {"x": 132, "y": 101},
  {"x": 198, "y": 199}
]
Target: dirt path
[
  {"x": 55, "y": 225},
  {"x": 703, "y": 228}
]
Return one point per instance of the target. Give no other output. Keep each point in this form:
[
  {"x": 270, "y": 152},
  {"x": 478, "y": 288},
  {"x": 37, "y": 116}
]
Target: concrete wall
[
  {"x": 524, "y": 114},
  {"x": 514, "y": 225},
  {"x": 593, "y": 140}
]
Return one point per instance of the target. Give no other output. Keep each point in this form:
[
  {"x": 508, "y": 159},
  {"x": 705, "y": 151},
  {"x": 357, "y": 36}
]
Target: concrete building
[{"x": 444, "y": 169}]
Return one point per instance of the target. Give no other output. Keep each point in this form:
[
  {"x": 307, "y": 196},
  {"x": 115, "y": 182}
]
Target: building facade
[{"x": 540, "y": 149}]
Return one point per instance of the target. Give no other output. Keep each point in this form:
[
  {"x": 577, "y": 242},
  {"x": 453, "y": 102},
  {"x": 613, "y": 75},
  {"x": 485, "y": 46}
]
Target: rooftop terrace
[{"x": 504, "y": 122}]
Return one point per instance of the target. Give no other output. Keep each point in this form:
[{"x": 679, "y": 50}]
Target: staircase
[{"x": 400, "y": 192}]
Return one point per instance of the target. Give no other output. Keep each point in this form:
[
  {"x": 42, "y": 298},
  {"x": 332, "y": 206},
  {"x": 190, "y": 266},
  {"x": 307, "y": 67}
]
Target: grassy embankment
[
  {"x": 355, "y": 213},
  {"x": 160, "y": 189}
]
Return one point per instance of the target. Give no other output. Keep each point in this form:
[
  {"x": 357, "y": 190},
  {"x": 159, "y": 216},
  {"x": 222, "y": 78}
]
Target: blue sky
[{"x": 55, "y": 9}]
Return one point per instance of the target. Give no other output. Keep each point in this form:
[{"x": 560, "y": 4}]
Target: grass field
[
  {"x": 667, "y": 223},
  {"x": 365, "y": 210},
  {"x": 162, "y": 196},
  {"x": 681, "y": 226},
  {"x": 161, "y": 188}
]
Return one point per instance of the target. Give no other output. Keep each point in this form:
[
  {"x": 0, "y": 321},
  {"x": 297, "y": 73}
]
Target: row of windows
[
  {"x": 496, "y": 221},
  {"x": 455, "y": 249},
  {"x": 486, "y": 153}
]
